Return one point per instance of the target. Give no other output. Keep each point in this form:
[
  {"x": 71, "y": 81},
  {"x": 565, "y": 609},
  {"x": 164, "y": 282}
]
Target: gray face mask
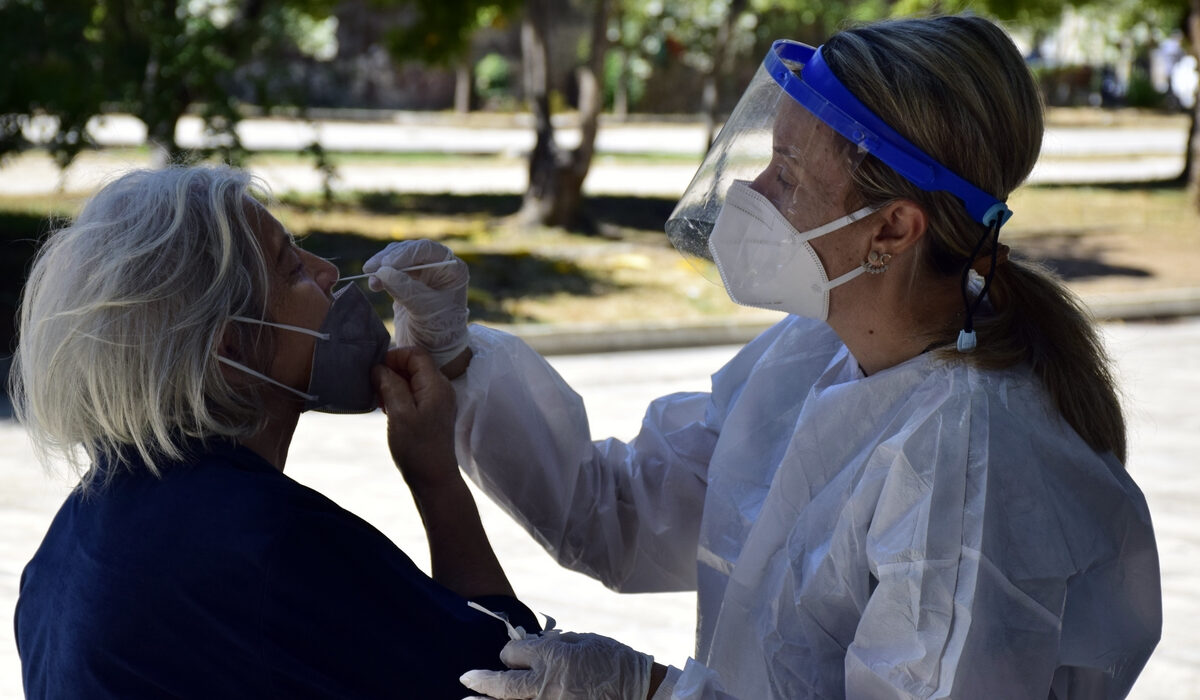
[{"x": 350, "y": 342}]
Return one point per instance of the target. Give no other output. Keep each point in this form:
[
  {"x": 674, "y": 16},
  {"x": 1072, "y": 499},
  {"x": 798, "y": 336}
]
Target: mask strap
[
  {"x": 836, "y": 224},
  {"x": 265, "y": 378},
  {"x": 830, "y": 228},
  {"x": 966, "y": 336},
  {"x": 284, "y": 326},
  {"x": 842, "y": 279}
]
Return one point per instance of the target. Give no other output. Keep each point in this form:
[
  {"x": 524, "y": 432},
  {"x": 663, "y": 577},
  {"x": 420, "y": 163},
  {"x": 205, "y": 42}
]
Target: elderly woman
[
  {"x": 913, "y": 486},
  {"x": 173, "y": 334}
]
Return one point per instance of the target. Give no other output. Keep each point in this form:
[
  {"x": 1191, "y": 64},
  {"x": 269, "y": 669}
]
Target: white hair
[{"x": 122, "y": 313}]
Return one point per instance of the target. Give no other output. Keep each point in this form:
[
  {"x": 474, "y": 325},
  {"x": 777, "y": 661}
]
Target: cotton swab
[{"x": 405, "y": 269}]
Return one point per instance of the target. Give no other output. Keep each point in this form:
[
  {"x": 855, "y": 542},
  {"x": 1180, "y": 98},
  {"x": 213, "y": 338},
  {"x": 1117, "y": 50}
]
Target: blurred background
[{"x": 546, "y": 142}]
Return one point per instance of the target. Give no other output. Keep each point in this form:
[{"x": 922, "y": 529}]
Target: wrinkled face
[
  {"x": 808, "y": 177},
  {"x": 299, "y": 294}
]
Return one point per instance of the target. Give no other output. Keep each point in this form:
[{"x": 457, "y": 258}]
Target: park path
[{"x": 1070, "y": 155}]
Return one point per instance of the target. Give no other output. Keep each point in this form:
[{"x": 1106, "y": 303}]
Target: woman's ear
[
  {"x": 228, "y": 347},
  {"x": 904, "y": 225}
]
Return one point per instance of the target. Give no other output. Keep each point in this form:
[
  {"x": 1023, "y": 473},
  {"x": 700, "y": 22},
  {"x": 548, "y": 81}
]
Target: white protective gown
[{"x": 929, "y": 531}]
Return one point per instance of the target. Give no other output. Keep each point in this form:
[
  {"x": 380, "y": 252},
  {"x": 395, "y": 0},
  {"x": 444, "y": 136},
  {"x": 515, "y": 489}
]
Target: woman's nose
[
  {"x": 324, "y": 272},
  {"x": 757, "y": 184}
]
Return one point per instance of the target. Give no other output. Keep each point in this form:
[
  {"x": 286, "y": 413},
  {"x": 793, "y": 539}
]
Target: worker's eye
[{"x": 784, "y": 178}]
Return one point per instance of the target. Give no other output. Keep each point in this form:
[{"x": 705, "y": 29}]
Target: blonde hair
[
  {"x": 121, "y": 316},
  {"x": 956, "y": 87}
]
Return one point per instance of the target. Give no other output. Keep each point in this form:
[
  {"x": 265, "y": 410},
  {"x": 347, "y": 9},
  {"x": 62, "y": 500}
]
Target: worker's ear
[{"x": 903, "y": 225}]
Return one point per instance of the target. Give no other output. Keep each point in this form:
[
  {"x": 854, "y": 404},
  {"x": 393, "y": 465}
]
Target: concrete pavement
[
  {"x": 1070, "y": 154},
  {"x": 428, "y": 132},
  {"x": 345, "y": 458}
]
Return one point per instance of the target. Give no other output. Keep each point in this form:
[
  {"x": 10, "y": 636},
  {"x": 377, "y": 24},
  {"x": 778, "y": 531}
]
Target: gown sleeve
[{"x": 627, "y": 514}]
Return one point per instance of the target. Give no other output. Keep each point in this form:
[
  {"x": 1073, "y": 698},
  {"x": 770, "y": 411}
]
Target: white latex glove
[
  {"x": 560, "y": 665},
  {"x": 430, "y": 303}
]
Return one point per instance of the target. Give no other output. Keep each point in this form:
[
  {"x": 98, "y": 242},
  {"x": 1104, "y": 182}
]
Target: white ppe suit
[{"x": 932, "y": 530}]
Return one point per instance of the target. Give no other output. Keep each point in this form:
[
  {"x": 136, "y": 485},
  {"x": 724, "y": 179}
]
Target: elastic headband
[{"x": 820, "y": 92}]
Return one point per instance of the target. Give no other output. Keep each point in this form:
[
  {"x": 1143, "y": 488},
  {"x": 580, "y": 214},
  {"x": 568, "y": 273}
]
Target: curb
[{"x": 586, "y": 338}]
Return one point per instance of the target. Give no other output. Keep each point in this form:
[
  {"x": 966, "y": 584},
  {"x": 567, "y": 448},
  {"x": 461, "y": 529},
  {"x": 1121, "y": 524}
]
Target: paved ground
[
  {"x": 1070, "y": 154},
  {"x": 400, "y": 132},
  {"x": 345, "y": 457}
]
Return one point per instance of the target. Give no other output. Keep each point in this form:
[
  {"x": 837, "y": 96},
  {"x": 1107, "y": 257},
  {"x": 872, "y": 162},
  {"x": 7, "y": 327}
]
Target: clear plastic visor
[{"x": 787, "y": 154}]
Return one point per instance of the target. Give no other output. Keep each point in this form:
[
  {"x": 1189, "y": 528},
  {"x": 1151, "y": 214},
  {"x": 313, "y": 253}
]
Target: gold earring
[{"x": 877, "y": 262}]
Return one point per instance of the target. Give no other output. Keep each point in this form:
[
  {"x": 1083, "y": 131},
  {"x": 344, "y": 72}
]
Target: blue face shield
[{"x": 796, "y": 135}]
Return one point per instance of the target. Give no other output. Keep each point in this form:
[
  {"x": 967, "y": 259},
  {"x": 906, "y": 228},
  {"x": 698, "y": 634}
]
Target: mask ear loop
[
  {"x": 260, "y": 375},
  {"x": 966, "y": 337},
  {"x": 265, "y": 378}
]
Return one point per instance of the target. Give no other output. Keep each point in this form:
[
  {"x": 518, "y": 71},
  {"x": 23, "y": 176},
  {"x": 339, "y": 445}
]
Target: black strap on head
[{"x": 966, "y": 337}]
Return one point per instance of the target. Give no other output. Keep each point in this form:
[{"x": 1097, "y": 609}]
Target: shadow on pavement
[
  {"x": 1175, "y": 183},
  {"x": 396, "y": 202},
  {"x": 495, "y": 276},
  {"x": 626, "y": 211},
  {"x": 1089, "y": 268}
]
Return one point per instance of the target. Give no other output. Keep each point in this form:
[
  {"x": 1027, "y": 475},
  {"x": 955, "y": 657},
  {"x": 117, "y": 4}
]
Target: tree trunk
[
  {"x": 710, "y": 96},
  {"x": 462, "y": 85},
  {"x": 537, "y": 206},
  {"x": 161, "y": 119},
  {"x": 555, "y": 194},
  {"x": 708, "y": 107},
  {"x": 1191, "y": 174},
  {"x": 591, "y": 103},
  {"x": 621, "y": 89}
]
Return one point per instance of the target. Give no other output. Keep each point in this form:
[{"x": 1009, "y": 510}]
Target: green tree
[
  {"x": 154, "y": 59},
  {"x": 440, "y": 32},
  {"x": 706, "y": 35},
  {"x": 1168, "y": 15},
  {"x": 1123, "y": 16},
  {"x": 713, "y": 36},
  {"x": 555, "y": 194}
]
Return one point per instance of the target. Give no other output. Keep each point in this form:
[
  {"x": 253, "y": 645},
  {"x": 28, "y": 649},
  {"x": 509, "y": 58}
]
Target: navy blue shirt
[{"x": 225, "y": 578}]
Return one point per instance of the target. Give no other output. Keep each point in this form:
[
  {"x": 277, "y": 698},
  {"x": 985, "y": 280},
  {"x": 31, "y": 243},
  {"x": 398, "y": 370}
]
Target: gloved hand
[
  {"x": 430, "y": 303},
  {"x": 560, "y": 665}
]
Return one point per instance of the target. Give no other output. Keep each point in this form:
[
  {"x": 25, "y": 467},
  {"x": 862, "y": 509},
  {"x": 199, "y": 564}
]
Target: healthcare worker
[{"x": 913, "y": 485}]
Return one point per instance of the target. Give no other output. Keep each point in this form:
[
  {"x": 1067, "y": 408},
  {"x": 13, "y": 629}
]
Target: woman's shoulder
[
  {"x": 219, "y": 497},
  {"x": 995, "y": 422},
  {"x": 1022, "y": 473}
]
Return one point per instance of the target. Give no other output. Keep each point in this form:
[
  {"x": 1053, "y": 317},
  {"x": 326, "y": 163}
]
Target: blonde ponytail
[{"x": 1035, "y": 318}]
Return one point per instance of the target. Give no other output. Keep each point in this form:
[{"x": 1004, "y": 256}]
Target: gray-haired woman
[{"x": 173, "y": 334}]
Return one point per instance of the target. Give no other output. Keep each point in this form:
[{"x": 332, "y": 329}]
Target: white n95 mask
[
  {"x": 766, "y": 263},
  {"x": 351, "y": 341}
]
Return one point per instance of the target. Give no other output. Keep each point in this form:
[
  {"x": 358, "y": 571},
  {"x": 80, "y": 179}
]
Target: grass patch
[{"x": 1101, "y": 239}]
